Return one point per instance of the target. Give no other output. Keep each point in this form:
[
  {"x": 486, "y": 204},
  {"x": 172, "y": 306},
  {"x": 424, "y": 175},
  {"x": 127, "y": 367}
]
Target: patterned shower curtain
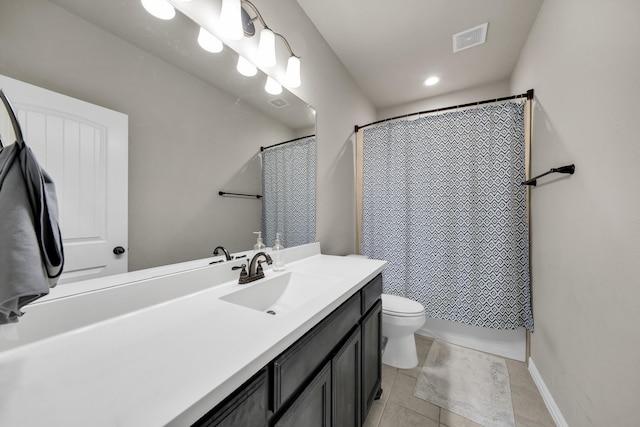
[
  {"x": 289, "y": 192},
  {"x": 442, "y": 202}
]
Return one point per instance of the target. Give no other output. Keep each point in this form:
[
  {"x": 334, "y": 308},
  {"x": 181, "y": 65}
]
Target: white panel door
[{"x": 84, "y": 149}]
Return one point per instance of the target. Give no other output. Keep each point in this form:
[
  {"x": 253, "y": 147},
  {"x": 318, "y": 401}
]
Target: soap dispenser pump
[
  {"x": 259, "y": 245},
  {"x": 278, "y": 260}
]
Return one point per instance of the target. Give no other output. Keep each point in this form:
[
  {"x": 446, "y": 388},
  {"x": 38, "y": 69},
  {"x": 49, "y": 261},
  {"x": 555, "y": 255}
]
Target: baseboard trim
[{"x": 546, "y": 396}]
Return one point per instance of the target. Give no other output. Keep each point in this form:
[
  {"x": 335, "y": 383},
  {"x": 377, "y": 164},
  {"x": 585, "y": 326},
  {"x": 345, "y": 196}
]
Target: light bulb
[
  {"x": 292, "y": 74},
  {"x": 231, "y": 20},
  {"x": 432, "y": 81},
  {"x": 245, "y": 67},
  {"x": 267, "y": 48},
  {"x": 161, "y": 9},
  {"x": 272, "y": 86},
  {"x": 209, "y": 42}
]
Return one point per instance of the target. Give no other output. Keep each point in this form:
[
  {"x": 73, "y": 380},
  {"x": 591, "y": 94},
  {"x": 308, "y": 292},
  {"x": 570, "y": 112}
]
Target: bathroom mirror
[{"x": 186, "y": 143}]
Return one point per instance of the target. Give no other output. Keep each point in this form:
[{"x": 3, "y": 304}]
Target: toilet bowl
[{"x": 401, "y": 318}]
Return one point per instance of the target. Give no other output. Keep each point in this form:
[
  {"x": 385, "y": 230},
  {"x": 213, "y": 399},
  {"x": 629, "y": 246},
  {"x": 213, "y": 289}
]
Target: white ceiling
[{"x": 391, "y": 46}]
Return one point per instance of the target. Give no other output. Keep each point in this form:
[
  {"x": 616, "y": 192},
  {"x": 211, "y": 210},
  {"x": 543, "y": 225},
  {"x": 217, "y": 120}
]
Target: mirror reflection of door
[{"x": 84, "y": 149}]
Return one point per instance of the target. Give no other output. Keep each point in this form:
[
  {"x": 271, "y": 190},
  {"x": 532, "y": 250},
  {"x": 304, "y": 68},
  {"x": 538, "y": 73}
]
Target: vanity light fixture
[
  {"x": 235, "y": 22},
  {"x": 231, "y": 19},
  {"x": 161, "y": 9},
  {"x": 267, "y": 48},
  {"x": 209, "y": 42},
  {"x": 272, "y": 86},
  {"x": 292, "y": 74},
  {"x": 432, "y": 81},
  {"x": 245, "y": 67},
  {"x": 267, "y": 44}
]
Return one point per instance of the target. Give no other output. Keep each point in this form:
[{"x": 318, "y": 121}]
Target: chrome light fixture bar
[{"x": 267, "y": 47}]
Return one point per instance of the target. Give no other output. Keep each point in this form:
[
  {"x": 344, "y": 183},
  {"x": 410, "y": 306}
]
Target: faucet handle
[{"x": 243, "y": 273}]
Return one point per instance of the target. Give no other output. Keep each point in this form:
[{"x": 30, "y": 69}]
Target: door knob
[{"x": 118, "y": 250}]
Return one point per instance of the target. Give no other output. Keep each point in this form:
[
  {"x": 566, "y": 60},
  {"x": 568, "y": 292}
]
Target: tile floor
[{"x": 398, "y": 407}]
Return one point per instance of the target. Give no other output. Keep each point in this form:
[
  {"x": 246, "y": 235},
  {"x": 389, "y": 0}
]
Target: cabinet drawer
[
  {"x": 371, "y": 293},
  {"x": 293, "y": 367}
]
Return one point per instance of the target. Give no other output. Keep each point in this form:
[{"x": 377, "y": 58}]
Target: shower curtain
[
  {"x": 442, "y": 202},
  {"x": 289, "y": 192}
]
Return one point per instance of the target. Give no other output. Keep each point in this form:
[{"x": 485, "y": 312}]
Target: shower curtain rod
[
  {"x": 528, "y": 95},
  {"x": 286, "y": 142}
]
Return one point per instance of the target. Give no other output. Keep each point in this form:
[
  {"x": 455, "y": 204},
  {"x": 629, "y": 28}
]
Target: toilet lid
[{"x": 399, "y": 306}]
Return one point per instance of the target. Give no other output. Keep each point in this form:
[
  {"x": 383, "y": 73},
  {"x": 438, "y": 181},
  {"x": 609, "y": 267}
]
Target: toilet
[{"x": 401, "y": 318}]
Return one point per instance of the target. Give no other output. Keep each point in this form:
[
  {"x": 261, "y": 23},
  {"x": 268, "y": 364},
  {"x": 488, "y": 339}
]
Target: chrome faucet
[{"x": 224, "y": 250}]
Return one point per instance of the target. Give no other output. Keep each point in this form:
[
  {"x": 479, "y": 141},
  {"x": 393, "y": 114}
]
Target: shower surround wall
[{"x": 582, "y": 59}]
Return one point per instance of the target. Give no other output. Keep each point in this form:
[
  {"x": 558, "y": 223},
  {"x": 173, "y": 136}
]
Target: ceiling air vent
[
  {"x": 470, "y": 38},
  {"x": 278, "y": 102}
]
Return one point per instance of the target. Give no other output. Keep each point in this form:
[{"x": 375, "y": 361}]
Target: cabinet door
[
  {"x": 345, "y": 374},
  {"x": 247, "y": 407},
  {"x": 295, "y": 366},
  {"x": 371, "y": 357},
  {"x": 312, "y": 408}
]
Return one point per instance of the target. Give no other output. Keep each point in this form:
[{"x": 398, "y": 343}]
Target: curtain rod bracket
[{"x": 570, "y": 169}]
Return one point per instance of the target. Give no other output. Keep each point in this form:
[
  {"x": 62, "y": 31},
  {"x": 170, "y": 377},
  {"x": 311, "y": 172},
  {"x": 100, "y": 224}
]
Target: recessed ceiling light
[{"x": 431, "y": 81}]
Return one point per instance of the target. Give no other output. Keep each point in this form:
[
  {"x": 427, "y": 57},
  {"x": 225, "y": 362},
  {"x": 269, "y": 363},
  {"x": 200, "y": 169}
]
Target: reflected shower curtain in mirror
[
  {"x": 442, "y": 202},
  {"x": 289, "y": 192}
]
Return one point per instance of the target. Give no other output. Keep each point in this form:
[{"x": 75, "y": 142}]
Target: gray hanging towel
[{"x": 31, "y": 253}]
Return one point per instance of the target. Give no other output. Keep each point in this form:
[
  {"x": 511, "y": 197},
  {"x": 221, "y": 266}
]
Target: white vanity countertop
[{"x": 166, "y": 364}]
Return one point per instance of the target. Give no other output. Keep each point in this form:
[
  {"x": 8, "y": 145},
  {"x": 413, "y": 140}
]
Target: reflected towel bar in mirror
[{"x": 224, "y": 193}]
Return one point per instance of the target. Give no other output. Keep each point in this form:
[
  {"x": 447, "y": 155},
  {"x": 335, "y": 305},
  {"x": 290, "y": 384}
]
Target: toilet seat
[{"x": 394, "y": 305}]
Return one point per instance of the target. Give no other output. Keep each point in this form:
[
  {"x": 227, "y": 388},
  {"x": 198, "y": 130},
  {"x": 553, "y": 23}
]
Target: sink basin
[{"x": 280, "y": 294}]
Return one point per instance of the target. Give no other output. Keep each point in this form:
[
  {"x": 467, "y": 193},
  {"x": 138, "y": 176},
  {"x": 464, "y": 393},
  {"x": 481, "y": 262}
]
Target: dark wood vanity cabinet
[
  {"x": 346, "y": 370},
  {"x": 329, "y": 377},
  {"x": 371, "y": 357},
  {"x": 247, "y": 406},
  {"x": 371, "y": 326},
  {"x": 312, "y": 408}
]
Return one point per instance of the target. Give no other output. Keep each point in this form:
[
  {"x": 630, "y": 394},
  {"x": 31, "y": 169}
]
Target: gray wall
[
  {"x": 582, "y": 59},
  {"x": 340, "y": 105}
]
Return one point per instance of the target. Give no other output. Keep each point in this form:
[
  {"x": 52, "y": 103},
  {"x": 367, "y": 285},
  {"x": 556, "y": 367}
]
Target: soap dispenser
[
  {"x": 259, "y": 245},
  {"x": 277, "y": 255}
]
